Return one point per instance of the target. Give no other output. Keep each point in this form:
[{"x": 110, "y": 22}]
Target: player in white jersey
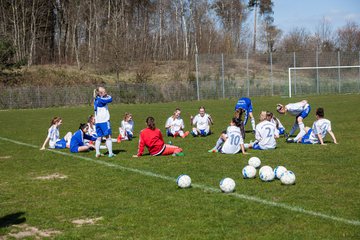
[
  {"x": 175, "y": 125},
  {"x": 231, "y": 141},
  {"x": 318, "y": 132},
  {"x": 126, "y": 128},
  {"x": 301, "y": 110},
  {"x": 201, "y": 123},
  {"x": 265, "y": 134},
  {"x": 53, "y": 136},
  {"x": 102, "y": 120},
  {"x": 271, "y": 118}
]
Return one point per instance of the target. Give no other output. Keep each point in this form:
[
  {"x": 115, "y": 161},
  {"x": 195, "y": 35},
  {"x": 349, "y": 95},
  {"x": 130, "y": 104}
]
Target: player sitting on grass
[
  {"x": 126, "y": 128},
  {"x": 202, "y": 123},
  {"x": 53, "y": 136},
  {"x": 317, "y": 133},
  {"x": 152, "y": 138},
  {"x": 271, "y": 118},
  {"x": 230, "y": 141},
  {"x": 175, "y": 125},
  {"x": 265, "y": 134},
  {"x": 77, "y": 143},
  {"x": 301, "y": 110}
]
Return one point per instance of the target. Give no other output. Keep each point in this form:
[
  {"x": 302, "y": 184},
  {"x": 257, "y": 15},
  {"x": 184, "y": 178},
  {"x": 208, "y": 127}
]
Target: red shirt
[{"x": 153, "y": 140}]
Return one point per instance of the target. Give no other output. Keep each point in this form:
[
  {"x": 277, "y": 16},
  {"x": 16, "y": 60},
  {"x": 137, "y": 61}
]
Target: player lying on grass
[
  {"x": 201, "y": 123},
  {"x": 126, "y": 128},
  {"x": 53, "y": 136},
  {"x": 245, "y": 104},
  {"x": 320, "y": 127},
  {"x": 77, "y": 143},
  {"x": 175, "y": 125},
  {"x": 265, "y": 134},
  {"x": 271, "y": 118},
  {"x": 152, "y": 138},
  {"x": 300, "y": 110},
  {"x": 230, "y": 141},
  {"x": 102, "y": 120}
]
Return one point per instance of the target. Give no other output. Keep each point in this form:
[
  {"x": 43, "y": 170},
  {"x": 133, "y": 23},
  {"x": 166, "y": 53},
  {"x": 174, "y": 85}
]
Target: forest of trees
[{"x": 114, "y": 33}]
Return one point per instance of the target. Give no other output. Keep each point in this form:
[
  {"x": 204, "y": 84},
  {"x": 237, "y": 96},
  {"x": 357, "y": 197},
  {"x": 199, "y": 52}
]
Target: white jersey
[
  {"x": 233, "y": 141},
  {"x": 321, "y": 126},
  {"x": 265, "y": 133},
  {"x": 92, "y": 130},
  {"x": 175, "y": 124},
  {"x": 53, "y": 135},
  {"x": 296, "y": 108},
  {"x": 127, "y": 126},
  {"x": 101, "y": 109},
  {"x": 202, "y": 123}
]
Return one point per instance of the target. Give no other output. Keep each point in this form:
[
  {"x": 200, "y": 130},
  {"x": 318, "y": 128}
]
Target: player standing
[
  {"x": 202, "y": 123},
  {"x": 102, "y": 120},
  {"x": 245, "y": 104},
  {"x": 301, "y": 110},
  {"x": 320, "y": 127}
]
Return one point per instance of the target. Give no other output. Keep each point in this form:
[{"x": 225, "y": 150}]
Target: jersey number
[{"x": 234, "y": 140}]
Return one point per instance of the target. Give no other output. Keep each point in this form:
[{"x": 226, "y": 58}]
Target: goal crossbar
[{"x": 327, "y": 67}]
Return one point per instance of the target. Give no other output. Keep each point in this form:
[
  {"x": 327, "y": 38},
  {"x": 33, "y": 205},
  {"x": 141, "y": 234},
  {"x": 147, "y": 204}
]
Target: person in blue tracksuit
[{"x": 77, "y": 140}]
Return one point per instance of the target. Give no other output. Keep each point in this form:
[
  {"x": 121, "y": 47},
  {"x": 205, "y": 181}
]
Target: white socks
[
  {"x": 97, "y": 146},
  {"x": 252, "y": 120},
  {"x": 301, "y": 133},
  {"x": 109, "y": 145}
]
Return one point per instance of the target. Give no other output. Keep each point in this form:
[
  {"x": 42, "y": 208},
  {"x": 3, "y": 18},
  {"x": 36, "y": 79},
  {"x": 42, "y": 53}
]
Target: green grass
[{"x": 137, "y": 198}]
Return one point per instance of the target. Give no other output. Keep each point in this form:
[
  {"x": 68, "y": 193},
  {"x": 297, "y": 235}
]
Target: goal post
[{"x": 330, "y": 76}]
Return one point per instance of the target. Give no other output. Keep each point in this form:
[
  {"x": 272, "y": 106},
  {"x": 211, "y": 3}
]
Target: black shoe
[
  {"x": 286, "y": 135},
  {"x": 290, "y": 140}
]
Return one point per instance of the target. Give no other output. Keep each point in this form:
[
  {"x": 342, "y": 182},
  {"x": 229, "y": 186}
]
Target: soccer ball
[
  {"x": 183, "y": 181},
  {"x": 227, "y": 185},
  {"x": 265, "y": 168},
  {"x": 249, "y": 171},
  {"x": 266, "y": 174},
  {"x": 279, "y": 170},
  {"x": 288, "y": 178},
  {"x": 255, "y": 162}
]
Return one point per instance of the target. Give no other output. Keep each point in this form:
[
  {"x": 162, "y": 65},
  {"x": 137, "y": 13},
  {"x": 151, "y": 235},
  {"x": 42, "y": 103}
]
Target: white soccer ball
[
  {"x": 266, "y": 174},
  {"x": 227, "y": 185},
  {"x": 288, "y": 178},
  {"x": 183, "y": 181},
  {"x": 249, "y": 171},
  {"x": 255, "y": 162},
  {"x": 279, "y": 170},
  {"x": 265, "y": 168}
]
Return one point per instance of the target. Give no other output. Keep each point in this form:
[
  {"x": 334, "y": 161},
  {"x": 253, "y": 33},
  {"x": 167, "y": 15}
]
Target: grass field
[{"x": 137, "y": 198}]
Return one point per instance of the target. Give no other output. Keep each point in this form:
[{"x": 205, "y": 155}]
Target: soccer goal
[{"x": 319, "y": 80}]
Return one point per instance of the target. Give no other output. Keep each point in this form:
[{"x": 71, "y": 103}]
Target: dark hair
[
  {"x": 150, "y": 121},
  {"x": 238, "y": 113},
  {"x": 83, "y": 126},
  {"x": 320, "y": 112},
  {"x": 239, "y": 123}
]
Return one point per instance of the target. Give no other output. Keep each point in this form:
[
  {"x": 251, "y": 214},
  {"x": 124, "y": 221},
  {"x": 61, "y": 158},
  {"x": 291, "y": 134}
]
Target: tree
[
  {"x": 265, "y": 9},
  {"x": 324, "y": 36},
  {"x": 270, "y": 35},
  {"x": 7, "y": 52},
  {"x": 348, "y": 37},
  {"x": 296, "y": 40}
]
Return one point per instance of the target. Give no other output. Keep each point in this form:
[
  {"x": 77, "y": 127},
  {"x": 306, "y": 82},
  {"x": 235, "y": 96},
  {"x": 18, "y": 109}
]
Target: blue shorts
[
  {"x": 61, "y": 144},
  {"x": 204, "y": 133},
  {"x": 281, "y": 131},
  {"x": 103, "y": 129},
  {"x": 305, "y": 139},
  {"x": 304, "y": 113},
  {"x": 129, "y": 135},
  {"x": 256, "y": 146}
]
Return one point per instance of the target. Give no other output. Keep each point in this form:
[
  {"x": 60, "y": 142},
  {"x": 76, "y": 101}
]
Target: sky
[{"x": 308, "y": 14}]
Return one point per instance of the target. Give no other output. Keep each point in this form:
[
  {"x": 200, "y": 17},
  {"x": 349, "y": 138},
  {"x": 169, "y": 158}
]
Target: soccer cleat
[
  {"x": 111, "y": 155},
  {"x": 185, "y": 134},
  {"x": 99, "y": 155},
  {"x": 119, "y": 138},
  {"x": 179, "y": 154},
  {"x": 213, "y": 150},
  {"x": 290, "y": 140}
]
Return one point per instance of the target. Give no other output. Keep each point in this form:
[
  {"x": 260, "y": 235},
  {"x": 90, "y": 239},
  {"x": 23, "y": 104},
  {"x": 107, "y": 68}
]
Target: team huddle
[{"x": 97, "y": 130}]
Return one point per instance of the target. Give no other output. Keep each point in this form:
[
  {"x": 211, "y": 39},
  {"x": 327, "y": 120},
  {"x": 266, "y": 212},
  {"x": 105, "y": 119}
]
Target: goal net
[{"x": 322, "y": 80}]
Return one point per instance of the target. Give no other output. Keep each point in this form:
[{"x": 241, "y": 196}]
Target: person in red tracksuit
[{"x": 151, "y": 137}]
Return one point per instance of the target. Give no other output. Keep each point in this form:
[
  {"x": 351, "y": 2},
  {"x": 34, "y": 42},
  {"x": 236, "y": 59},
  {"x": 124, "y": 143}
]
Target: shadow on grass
[{"x": 11, "y": 219}]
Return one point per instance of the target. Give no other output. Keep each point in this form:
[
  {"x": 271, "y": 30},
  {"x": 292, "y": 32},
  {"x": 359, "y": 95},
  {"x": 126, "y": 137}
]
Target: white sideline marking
[{"x": 200, "y": 186}]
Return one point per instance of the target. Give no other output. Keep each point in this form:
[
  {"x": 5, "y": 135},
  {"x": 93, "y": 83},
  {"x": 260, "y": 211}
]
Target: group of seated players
[{"x": 230, "y": 141}]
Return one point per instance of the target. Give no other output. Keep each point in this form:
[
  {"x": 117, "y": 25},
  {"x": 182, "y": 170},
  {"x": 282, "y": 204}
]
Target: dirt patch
[
  {"x": 26, "y": 231},
  {"x": 52, "y": 176},
  {"x": 5, "y": 157},
  {"x": 86, "y": 221}
]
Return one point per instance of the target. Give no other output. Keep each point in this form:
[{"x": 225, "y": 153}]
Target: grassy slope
[{"x": 142, "y": 207}]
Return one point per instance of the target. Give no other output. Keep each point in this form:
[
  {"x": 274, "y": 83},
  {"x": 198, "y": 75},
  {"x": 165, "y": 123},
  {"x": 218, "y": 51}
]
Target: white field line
[{"x": 200, "y": 186}]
